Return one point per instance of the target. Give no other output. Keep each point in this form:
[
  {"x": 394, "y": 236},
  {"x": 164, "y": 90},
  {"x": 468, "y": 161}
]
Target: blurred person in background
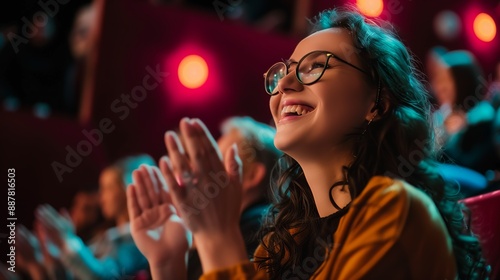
[
  {"x": 80, "y": 42},
  {"x": 465, "y": 118},
  {"x": 85, "y": 214},
  {"x": 111, "y": 254}
]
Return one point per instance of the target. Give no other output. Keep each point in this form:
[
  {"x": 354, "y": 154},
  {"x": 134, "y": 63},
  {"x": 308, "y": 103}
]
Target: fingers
[
  {"x": 179, "y": 164},
  {"x": 134, "y": 210},
  {"x": 151, "y": 184},
  {"x": 23, "y": 234},
  {"x": 164, "y": 195},
  {"x": 148, "y": 191},
  {"x": 41, "y": 233},
  {"x": 174, "y": 190},
  {"x": 206, "y": 138},
  {"x": 141, "y": 190},
  {"x": 233, "y": 164},
  {"x": 48, "y": 217},
  {"x": 200, "y": 145},
  {"x": 195, "y": 151}
]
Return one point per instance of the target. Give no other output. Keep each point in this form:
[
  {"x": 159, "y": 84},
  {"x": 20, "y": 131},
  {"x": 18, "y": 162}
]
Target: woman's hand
[
  {"x": 29, "y": 255},
  {"x": 58, "y": 227},
  {"x": 28, "y": 248},
  {"x": 207, "y": 193},
  {"x": 51, "y": 253},
  {"x": 157, "y": 230}
]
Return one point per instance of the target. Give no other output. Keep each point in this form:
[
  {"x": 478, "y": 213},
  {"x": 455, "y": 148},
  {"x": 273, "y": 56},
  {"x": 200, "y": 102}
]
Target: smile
[{"x": 295, "y": 110}]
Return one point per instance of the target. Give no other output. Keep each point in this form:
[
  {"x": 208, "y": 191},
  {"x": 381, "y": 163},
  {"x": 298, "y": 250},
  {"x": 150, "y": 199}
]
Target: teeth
[{"x": 298, "y": 109}]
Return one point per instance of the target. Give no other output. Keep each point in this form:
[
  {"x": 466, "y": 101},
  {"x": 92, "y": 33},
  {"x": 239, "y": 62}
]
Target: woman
[
  {"x": 465, "y": 111},
  {"x": 352, "y": 117},
  {"x": 458, "y": 87}
]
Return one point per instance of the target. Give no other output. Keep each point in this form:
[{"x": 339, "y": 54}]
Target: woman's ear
[{"x": 380, "y": 107}]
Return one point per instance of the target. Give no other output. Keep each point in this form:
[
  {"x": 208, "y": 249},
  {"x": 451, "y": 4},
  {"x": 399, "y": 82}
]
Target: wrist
[
  {"x": 220, "y": 250},
  {"x": 175, "y": 268}
]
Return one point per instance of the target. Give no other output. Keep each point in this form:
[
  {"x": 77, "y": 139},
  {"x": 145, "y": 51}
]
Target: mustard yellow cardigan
[{"x": 392, "y": 231}]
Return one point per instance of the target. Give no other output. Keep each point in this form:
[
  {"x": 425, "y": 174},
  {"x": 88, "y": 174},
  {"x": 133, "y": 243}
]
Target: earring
[
  {"x": 369, "y": 122},
  {"x": 377, "y": 98}
]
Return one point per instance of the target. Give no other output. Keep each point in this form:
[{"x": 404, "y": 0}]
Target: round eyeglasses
[{"x": 309, "y": 70}]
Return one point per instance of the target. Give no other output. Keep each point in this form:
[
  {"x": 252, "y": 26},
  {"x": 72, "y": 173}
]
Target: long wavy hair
[{"x": 402, "y": 134}]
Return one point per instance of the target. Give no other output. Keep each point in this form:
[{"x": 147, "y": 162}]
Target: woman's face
[
  {"x": 85, "y": 210},
  {"x": 444, "y": 86},
  {"x": 335, "y": 105},
  {"x": 112, "y": 194}
]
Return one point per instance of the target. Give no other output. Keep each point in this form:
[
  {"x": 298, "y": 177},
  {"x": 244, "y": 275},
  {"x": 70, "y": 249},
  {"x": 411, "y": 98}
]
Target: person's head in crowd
[
  {"x": 85, "y": 213},
  {"x": 349, "y": 105},
  {"x": 459, "y": 81},
  {"x": 255, "y": 141},
  {"x": 112, "y": 183},
  {"x": 81, "y": 33},
  {"x": 433, "y": 61}
]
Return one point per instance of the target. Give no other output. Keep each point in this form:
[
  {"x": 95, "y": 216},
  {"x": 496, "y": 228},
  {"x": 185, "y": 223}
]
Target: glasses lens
[
  {"x": 311, "y": 67},
  {"x": 274, "y": 75}
]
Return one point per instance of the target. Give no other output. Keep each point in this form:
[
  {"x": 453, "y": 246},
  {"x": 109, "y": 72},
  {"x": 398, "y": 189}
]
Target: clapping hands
[{"x": 157, "y": 230}]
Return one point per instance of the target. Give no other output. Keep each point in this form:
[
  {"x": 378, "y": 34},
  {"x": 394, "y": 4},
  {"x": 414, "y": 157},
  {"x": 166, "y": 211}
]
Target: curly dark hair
[{"x": 403, "y": 132}]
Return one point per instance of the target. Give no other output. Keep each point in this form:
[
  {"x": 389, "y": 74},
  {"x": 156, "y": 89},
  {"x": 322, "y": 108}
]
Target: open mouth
[{"x": 295, "y": 110}]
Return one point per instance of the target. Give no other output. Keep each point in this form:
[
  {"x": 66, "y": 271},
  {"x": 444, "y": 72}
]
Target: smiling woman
[{"x": 349, "y": 107}]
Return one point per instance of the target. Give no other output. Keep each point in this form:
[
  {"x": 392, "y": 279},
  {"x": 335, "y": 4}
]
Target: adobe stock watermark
[
  {"x": 49, "y": 8},
  {"x": 121, "y": 107},
  {"x": 202, "y": 195}
]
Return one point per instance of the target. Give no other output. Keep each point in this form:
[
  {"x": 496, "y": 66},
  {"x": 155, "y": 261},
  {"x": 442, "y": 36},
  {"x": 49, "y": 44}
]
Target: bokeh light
[
  {"x": 485, "y": 27},
  {"x": 193, "y": 71},
  {"x": 370, "y": 8},
  {"x": 447, "y": 25}
]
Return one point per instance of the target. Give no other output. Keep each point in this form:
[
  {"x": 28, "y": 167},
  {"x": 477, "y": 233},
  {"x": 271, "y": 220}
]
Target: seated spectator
[
  {"x": 85, "y": 213},
  {"x": 113, "y": 254},
  {"x": 465, "y": 119}
]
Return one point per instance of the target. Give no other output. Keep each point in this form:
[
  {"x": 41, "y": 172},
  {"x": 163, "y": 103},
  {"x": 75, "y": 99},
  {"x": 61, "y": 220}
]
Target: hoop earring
[
  {"x": 377, "y": 98},
  {"x": 332, "y": 201},
  {"x": 368, "y": 124}
]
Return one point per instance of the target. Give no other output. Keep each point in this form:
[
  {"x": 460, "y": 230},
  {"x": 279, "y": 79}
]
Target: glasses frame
[{"x": 287, "y": 67}]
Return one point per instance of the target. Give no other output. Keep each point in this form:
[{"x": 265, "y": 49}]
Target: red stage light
[
  {"x": 485, "y": 27},
  {"x": 193, "y": 71},
  {"x": 370, "y": 8}
]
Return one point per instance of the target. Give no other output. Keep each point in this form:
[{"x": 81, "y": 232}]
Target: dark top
[{"x": 250, "y": 223}]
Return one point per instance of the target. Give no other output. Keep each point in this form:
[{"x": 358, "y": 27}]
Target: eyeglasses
[{"x": 309, "y": 70}]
